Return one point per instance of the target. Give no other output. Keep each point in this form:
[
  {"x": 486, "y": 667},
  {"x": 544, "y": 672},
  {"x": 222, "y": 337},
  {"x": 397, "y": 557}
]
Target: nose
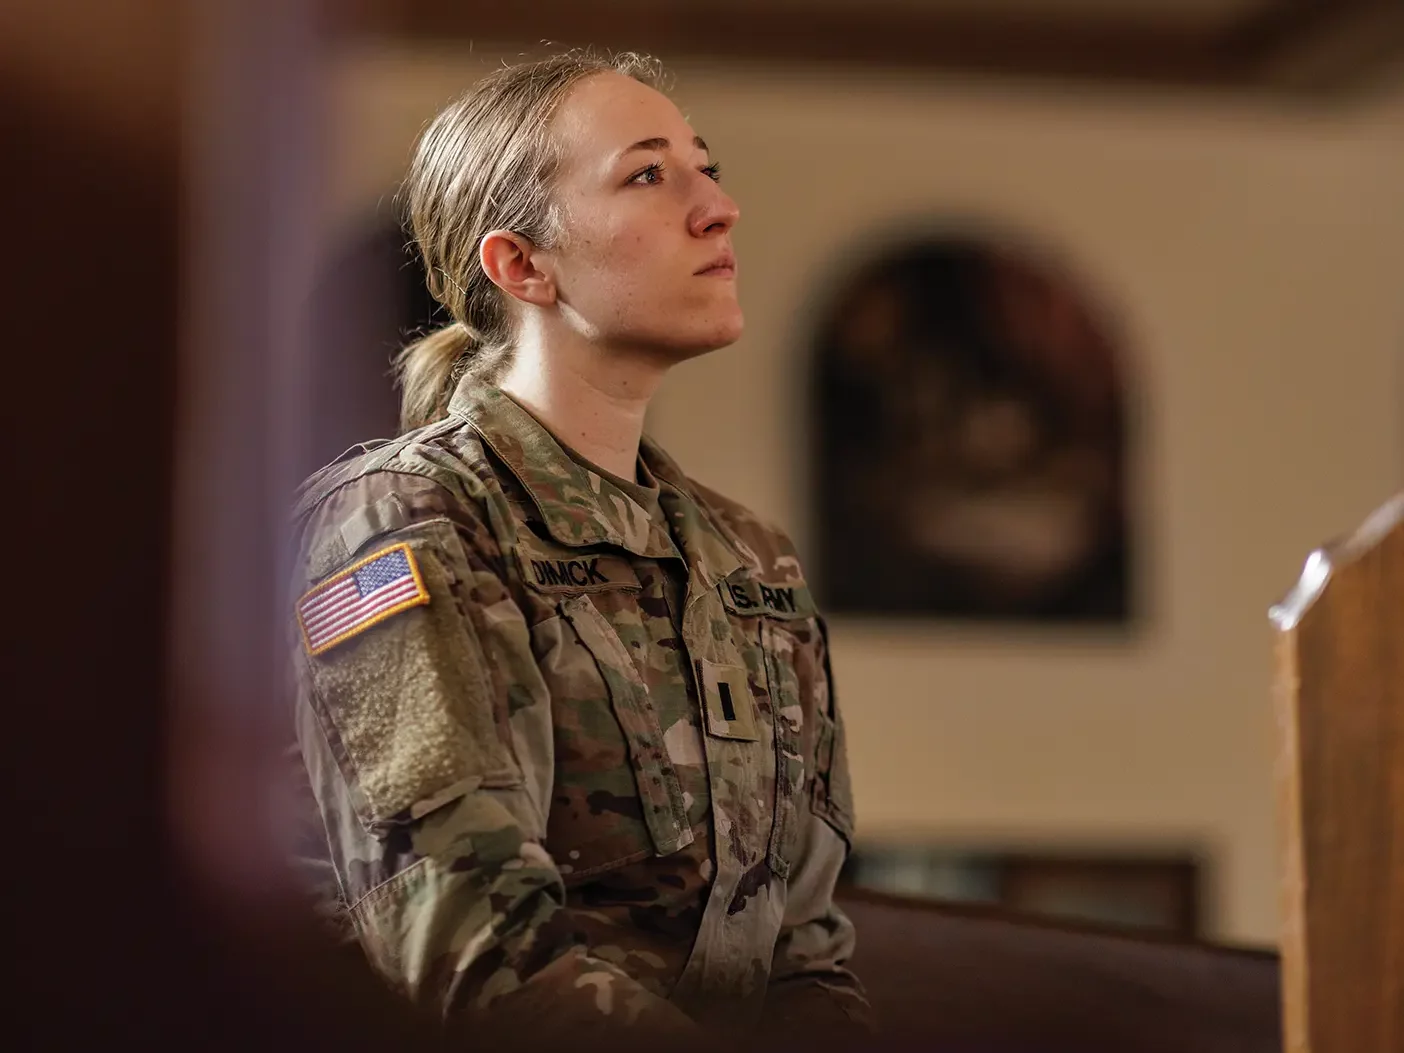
[{"x": 716, "y": 213}]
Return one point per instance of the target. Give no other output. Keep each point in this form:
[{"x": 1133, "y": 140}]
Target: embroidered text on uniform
[
  {"x": 780, "y": 599},
  {"x": 568, "y": 572}
]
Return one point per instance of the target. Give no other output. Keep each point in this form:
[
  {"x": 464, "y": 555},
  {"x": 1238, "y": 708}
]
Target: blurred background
[{"x": 1071, "y": 328}]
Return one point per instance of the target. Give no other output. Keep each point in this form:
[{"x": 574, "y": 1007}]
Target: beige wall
[{"x": 1257, "y": 256}]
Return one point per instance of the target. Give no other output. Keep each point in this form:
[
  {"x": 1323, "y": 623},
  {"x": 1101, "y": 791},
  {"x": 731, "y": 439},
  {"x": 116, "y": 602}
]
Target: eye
[
  {"x": 650, "y": 176},
  {"x": 713, "y": 171}
]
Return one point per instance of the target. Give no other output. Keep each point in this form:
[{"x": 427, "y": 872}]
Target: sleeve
[
  {"x": 434, "y": 829},
  {"x": 811, "y": 989}
]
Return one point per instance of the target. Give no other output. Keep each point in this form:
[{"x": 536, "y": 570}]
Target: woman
[{"x": 565, "y": 711}]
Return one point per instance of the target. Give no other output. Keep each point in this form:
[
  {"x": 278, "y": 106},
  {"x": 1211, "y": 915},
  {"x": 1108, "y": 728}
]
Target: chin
[
  {"x": 701, "y": 337},
  {"x": 728, "y": 332},
  {"x": 724, "y": 327},
  {"x": 716, "y": 341}
]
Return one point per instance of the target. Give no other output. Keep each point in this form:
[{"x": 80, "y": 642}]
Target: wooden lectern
[{"x": 1340, "y": 707}]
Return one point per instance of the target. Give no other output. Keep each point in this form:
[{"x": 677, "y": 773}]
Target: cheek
[
  {"x": 612, "y": 257},
  {"x": 631, "y": 272},
  {"x": 626, "y": 261},
  {"x": 632, "y": 245}
]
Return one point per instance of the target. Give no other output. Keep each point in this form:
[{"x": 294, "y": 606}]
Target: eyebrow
[{"x": 659, "y": 143}]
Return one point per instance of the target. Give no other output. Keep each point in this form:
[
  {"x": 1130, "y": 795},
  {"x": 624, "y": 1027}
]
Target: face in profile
[{"x": 645, "y": 259}]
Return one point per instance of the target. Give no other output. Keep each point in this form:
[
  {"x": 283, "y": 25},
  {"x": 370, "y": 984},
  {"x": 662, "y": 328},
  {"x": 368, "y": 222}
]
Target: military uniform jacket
[{"x": 573, "y": 754}]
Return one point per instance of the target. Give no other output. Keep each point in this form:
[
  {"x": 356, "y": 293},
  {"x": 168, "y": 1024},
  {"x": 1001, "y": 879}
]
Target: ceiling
[
  {"x": 1220, "y": 10},
  {"x": 1307, "y": 47}
]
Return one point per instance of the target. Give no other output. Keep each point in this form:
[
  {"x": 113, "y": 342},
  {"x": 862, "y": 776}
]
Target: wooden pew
[
  {"x": 964, "y": 977},
  {"x": 1340, "y": 708}
]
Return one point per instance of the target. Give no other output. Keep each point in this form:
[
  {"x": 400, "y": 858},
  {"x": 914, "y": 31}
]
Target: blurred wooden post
[{"x": 1340, "y": 706}]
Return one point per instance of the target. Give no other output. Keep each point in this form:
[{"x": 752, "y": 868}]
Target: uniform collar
[
  {"x": 708, "y": 548},
  {"x": 582, "y": 507}
]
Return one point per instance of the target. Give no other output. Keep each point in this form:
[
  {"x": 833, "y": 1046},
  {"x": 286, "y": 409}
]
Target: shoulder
[
  {"x": 435, "y": 473},
  {"x": 447, "y": 452},
  {"x": 763, "y": 544}
]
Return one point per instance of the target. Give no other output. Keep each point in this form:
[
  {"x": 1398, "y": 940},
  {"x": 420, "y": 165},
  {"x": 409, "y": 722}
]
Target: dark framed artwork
[{"x": 971, "y": 429}]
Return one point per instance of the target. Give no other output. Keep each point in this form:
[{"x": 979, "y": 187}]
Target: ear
[{"x": 512, "y": 264}]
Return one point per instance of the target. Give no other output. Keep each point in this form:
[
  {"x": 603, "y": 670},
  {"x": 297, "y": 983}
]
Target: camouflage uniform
[{"x": 594, "y": 770}]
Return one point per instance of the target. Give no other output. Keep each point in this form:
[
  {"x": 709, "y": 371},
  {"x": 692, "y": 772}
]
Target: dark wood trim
[
  {"x": 993, "y": 913},
  {"x": 995, "y": 43},
  {"x": 1320, "y": 45},
  {"x": 1129, "y": 49},
  {"x": 1286, "y": 23}
]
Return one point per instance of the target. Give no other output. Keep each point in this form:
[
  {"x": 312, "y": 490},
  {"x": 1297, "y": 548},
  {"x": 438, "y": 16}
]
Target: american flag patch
[{"x": 362, "y": 595}]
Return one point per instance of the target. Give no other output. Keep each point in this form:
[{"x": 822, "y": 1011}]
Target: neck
[{"x": 591, "y": 398}]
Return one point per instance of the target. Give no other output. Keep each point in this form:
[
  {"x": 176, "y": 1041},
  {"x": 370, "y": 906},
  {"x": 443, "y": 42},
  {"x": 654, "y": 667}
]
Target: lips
[{"x": 724, "y": 266}]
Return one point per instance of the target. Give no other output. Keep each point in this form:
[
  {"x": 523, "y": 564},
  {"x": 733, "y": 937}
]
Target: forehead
[{"x": 608, "y": 112}]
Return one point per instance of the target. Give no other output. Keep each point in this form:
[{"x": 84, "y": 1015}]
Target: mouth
[{"x": 724, "y": 266}]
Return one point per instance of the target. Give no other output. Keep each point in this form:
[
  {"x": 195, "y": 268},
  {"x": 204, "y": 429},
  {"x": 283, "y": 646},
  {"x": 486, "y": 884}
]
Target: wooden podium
[
  {"x": 1340, "y": 707},
  {"x": 961, "y": 978}
]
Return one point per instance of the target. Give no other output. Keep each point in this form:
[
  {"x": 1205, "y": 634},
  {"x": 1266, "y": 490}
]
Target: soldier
[{"x": 566, "y": 712}]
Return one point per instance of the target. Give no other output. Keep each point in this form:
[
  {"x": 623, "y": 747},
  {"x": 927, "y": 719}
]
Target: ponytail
[
  {"x": 484, "y": 164},
  {"x": 426, "y": 371}
]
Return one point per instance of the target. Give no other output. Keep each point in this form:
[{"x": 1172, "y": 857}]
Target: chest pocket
[
  {"x": 659, "y": 788},
  {"x": 617, "y": 797},
  {"x": 776, "y": 620}
]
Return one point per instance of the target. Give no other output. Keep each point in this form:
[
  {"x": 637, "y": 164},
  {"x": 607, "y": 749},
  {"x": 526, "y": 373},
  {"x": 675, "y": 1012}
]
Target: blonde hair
[{"x": 485, "y": 163}]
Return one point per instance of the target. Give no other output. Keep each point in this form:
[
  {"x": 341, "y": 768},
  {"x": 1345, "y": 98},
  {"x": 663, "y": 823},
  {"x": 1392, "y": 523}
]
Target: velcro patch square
[
  {"x": 730, "y": 709},
  {"x": 364, "y": 594}
]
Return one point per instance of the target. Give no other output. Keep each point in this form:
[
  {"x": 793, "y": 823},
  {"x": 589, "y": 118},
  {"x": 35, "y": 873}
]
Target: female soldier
[{"x": 566, "y": 712}]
